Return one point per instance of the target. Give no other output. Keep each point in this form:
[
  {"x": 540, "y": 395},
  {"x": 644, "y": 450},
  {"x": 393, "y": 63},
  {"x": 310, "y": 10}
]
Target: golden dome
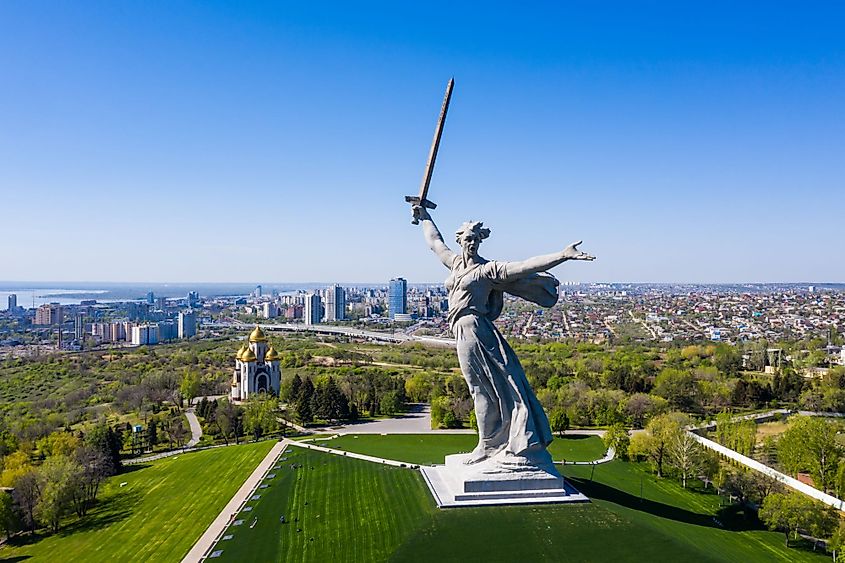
[
  {"x": 240, "y": 352},
  {"x": 248, "y": 355},
  {"x": 257, "y": 335},
  {"x": 272, "y": 355}
]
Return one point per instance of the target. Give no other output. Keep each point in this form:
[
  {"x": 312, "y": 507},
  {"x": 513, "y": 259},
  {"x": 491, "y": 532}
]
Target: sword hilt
[{"x": 415, "y": 200}]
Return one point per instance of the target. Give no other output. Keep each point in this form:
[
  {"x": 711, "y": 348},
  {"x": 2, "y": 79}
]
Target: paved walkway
[
  {"x": 209, "y": 538},
  {"x": 416, "y": 421},
  {"x": 353, "y": 455},
  {"x": 196, "y": 434},
  {"x": 162, "y": 455},
  {"x": 196, "y": 429},
  {"x": 608, "y": 456}
]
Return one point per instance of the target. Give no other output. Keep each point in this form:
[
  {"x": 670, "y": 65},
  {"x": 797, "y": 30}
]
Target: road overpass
[{"x": 352, "y": 332}]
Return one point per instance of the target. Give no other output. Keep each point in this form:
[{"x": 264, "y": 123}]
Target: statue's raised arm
[
  {"x": 433, "y": 236},
  {"x": 547, "y": 261}
]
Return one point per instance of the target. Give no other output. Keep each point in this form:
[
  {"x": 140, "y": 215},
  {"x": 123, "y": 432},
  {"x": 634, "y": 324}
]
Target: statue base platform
[{"x": 500, "y": 480}]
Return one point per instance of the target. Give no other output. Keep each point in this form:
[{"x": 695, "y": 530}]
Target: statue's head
[{"x": 470, "y": 235}]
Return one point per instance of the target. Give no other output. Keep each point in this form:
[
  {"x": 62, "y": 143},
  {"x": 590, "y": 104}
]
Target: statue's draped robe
[{"x": 509, "y": 416}]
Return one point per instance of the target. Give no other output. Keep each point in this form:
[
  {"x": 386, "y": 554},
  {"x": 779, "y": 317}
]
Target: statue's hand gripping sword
[{"x": 432, "y": 156}]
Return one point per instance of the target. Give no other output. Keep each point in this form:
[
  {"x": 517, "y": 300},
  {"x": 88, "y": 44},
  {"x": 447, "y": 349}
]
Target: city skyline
[{"x": 184, "y": 143}]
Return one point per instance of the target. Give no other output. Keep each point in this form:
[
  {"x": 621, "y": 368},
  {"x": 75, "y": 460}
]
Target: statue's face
[{"x": 470, "y": 242}]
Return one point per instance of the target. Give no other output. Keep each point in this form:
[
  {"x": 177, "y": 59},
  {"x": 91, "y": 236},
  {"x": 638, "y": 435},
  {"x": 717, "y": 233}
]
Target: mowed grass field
[
  {"x": 339, "y": 509},
  {"x": 428, "y": 449},
  {"x": 157, "y": 516},
  {"x": 336, "y": 509}
]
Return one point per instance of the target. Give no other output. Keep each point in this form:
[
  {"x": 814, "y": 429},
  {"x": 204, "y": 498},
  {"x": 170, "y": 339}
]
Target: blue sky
[{"x": 241, "y": 142}]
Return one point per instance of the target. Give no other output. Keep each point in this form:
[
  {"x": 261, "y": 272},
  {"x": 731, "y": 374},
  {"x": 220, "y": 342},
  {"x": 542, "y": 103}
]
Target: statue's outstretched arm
[
  {"x": 547, "y": 261},
  {"x": 433, "y": 236}
]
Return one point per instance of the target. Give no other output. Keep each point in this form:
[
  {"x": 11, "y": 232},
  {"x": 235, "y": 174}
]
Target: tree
[
  {"x": 450, "y": 420},
  {"x": 559, "y": 421},
  {"x": 710, "y": 468},
  {"x": 792, "y": 512},
  {"x": 295, "y": 389},
  {"x": 810, "y": 443},
  {"x": 685, "y": 455},
  {"x": 105, "y": 439},
  {"x": 678, "y": 387},
  {"x": 739, "y": 395},
  {"x": 190, "y": 386},
  {"x": 837, "y": 540},
  {"x": 823, "y": 451},
  {"x": 14, "y": 465},
  {"x": 391, "y": 403},
  {"x": 791, "y": 452},
  {"x": 261, "y": 415},
  {"x": 58, "y": 443},
  {"x": 329, "y": 401},
  {"x": 640, "y": 406},
  {"x": 202, "y": 408},
  {"x": 727, "y": 359},
  {"x": 776, "y": 512},
  {"x": 418, "y": 387},
  {"x": 229, "y": 420},
  {"x": 659, "y": 434},
  {"x": 304, "y": 402},
  {"x": 177, "y": 431},
  {"x": 94, "y": 468},
  {"x": 58, "y": 477},
  {"x": 8, "y": 515},
  {"x": 166, "y": 425},
  {"x": 617, "y": 438},
  {"x": 439, "y": 407},
  {"x": 26, "y": 494},
  {"x": 152, "y": 432}
]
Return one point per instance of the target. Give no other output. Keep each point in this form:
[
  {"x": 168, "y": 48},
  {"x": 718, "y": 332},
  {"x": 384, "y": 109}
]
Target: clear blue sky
[{"x": 240, "y": 141}]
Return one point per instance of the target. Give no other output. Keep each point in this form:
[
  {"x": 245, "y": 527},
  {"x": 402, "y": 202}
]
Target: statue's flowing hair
[{"x": 476, "y": 227}]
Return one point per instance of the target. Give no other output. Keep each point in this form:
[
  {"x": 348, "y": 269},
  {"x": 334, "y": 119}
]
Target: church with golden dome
[{"x": 257, "y": 368}]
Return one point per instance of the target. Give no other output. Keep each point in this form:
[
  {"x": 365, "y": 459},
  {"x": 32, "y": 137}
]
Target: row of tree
[
  {"x": 60, "y": 478},
  {"x": 259, "y": 417},
  {"x": 810, "y": 445}
]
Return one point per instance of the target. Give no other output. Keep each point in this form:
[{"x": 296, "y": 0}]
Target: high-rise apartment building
[
  {"x": 335, "y": 303},
  {"x": 167, "y": 330},
  {"x": 49, "y": 314},
  {"x": 269, "y": 310},
  {"x": 397, "y": 302},
  {"x": 101, "y": 332},
  {"x": 79, "y": 327},
  {"x": 144, "y": 334},
  {"x": 13, "y": 302},
  {"x": 117, "y": 331},
  {"x": 187, "y": 324},
  {"x": 313, "y": 309}
]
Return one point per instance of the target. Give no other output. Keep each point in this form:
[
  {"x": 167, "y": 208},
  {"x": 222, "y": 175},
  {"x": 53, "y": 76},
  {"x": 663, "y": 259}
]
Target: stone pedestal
[{"x": 503, "y": 479}]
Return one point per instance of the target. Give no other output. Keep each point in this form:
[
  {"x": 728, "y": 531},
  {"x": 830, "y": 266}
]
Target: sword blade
[{"x": 435, "y": 143}]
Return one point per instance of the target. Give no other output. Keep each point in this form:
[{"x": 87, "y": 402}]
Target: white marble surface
[{"x": 456, "y": 484}]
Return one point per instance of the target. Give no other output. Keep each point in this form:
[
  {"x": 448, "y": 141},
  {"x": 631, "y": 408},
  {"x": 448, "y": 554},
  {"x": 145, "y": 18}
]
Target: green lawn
[
  {"x": 157, "y": 516},
  {"x": 336, "y": 509},
  {"x": 427, "y": 449},
  {"x": 339, "y": 509}
]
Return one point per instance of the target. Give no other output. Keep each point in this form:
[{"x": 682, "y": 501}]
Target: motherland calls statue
[{"x": 513, "y": 431}]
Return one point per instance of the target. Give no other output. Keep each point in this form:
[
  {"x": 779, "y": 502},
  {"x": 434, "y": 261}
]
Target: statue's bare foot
[{"x": 477, "y": 455}]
